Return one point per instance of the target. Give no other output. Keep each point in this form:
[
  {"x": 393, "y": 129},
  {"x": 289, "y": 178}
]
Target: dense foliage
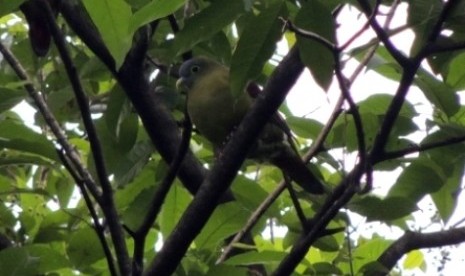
[{"x": 109, "y": 178}]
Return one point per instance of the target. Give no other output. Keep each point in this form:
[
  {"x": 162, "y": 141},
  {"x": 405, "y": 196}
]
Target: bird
[{"x": 216, "y": 112}]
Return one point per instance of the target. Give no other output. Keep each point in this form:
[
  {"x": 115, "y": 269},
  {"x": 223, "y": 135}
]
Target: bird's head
[{"x": 193, "y": 70}]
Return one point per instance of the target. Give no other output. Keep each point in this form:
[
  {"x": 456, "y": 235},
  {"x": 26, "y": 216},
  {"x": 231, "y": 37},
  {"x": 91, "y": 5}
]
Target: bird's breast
[{"x": 215, "y": 113}]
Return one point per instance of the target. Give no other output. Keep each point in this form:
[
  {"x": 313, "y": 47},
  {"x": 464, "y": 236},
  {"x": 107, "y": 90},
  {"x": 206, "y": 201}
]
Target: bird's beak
[{"x": 181, "y": 85}]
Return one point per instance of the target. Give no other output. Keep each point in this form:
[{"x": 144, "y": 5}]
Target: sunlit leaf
[
  {"x": 113, "y": 19},
  {"x": 263, "y": 257},
  {"x": 14, "y": 135},
  {"x": 206, "y": 23},
  {"x": 414, "y": 259},
  {"x": 440, "y": 94},
  {"x": 152, "y": 11}
]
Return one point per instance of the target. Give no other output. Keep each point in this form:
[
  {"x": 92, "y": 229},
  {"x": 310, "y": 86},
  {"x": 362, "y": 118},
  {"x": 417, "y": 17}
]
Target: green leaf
[
  {"x": 25, "y": 159},
  {"x": 438, "y": 93},
  {"x": 84, "y": 247},
  {"x": 7, "y": 219},
  {"x": 249, "y": 194},
  {"x": 111, "y": 152},
  {"x": 316, "y": 17},
  {"x": 136, "y": 212},
  {"x": 304, "y": 127},
  {"x": 378, "y": 105},
  {"x": 422, "y": 16},
  {"x": 118, "y": 105},
  {"x": 62, "y": 187},
  {"x": 421, "y": 177},
  {"x": 451, "y": 159},
  {"x": 10, "y": 98},
  {"x": 50, "y": 259},
  {"x": 344, "y": 132},
  {"x": 414, "y": 259},
  {"x": 368, "y": 251},
  {"x": 146, "y": 178},
  {"x": 18, "y": 261},
  {"x": 133, "y": 162},
  {"x": 455, "y": 74},
  {"x": 263, "y": 257},
  {"x": 227, "y": 219},
  {"x": 256, "y": 45},
  {"x": 113, "y": 19},
  {"x": 382, "y": 63},
  {"x": 152, "y": 11},
  {"x": 375, "y": 208},
  {"x": 15, "y": 135},
  {"x": 7, "y": 6},
  {"x": 175, "y": 203},
  {"x": 326, "y": 269},
  {"x": 127, "y": 131},
  {"x": 206, "y": 23},
  {"x": 225, "y": 270}
]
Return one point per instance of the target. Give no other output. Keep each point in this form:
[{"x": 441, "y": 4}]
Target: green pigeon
[{"x": 216, "y": 113}]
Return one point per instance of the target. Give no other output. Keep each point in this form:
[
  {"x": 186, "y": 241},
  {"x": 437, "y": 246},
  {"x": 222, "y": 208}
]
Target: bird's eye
[{"x": 195, "y": 69}]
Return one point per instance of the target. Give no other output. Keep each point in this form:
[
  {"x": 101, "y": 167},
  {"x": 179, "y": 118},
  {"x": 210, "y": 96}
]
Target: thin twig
[
  {"x": 258, "y": 213},
  {"x": 382, "y": 35},
  {"x": 298, "y": 208},
  {"x": 358, "y": 33},
  {"x": 81, "y": 99},
  {"x": 343, "y": 193},
  {"x": 253, "y": 219},
  {"x": 420, "y": 148},
  {"x": 140, "y": 234},
  {"x": 106, "y": 200},
  {"x": 450, "y": 47},
  {"x": 307, "y": 34},
  {"x": 225, "y": 168},
  {"x": 445, "y": 12},
  {"x": 343, "y": 85},
  {"x": 175, "y": 27},
  {"x": 97, "y": 226},
  {"x": 50, "y": 119}
]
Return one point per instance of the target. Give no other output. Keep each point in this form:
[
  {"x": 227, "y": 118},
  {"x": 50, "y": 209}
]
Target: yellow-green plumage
[
  {"x": 216, "y": 113},
  {"x": 204, "y": 100}
]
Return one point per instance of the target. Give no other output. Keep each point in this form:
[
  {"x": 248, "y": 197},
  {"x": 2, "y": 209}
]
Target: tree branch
[
  {"x": 106, "y": 200},
  {"x": 158, "y": 198},
  {"x": 50, "y": 119},
  {"x": 309, "y": 35},
  {"x": 381, "y": 34},
  {"x": 412, "y": 241},
  {"x": 258, "y": 213},
  {"x": 341, "y": 195},
  {"x": 446, "y": 11},
  {"x": 158, "y": 122},
  {"x": 99, "y": 229},
  {"x": 79, "y": 20},
  {"x": 421, "y": 148},
  {"x": 224, "y": 170}
]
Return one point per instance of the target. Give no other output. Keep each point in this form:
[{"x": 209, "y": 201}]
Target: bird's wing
[{"x": 254, "y": 90}]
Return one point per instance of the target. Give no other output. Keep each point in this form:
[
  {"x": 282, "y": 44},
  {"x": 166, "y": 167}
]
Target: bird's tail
[{"x": 291, "y": 164}]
